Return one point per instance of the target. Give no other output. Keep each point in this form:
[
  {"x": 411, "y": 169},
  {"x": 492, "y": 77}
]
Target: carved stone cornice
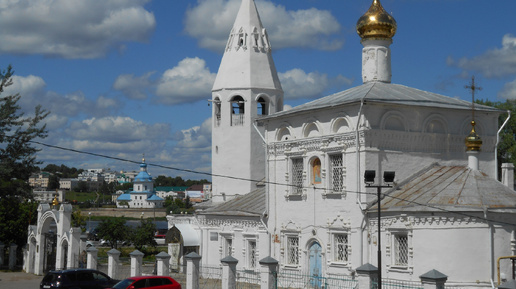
[{"x": 329, "y": 143}]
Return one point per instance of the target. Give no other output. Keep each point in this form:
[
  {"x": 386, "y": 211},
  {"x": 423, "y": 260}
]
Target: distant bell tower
[{"x": 247, "y": 87}]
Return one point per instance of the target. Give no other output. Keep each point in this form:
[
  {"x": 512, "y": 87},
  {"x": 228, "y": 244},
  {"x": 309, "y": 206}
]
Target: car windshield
[
  {"x": 50, "y": 277},
  {"x": 123, "y": 284}
]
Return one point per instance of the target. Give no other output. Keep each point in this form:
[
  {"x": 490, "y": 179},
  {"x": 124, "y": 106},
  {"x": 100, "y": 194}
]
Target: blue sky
[{"x": 127, "y": 77}]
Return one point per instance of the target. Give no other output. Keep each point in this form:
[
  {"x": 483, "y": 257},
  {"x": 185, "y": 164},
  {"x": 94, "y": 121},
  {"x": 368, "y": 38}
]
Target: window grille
[
  {"x": 337, "y": 173},
  {"x": 252, "y": 254},
  {"x": 401, "y": 250},
  {"x": 297, "y": 176},
  {"x": 292, "y": 250},
  {"x": 341, "y": 247},
  {"x": 229, "y": 247}
]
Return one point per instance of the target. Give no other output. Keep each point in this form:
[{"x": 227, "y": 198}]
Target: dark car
[
  {"x": 151, "y": 282},
  {"x": 77, "y": 279}
]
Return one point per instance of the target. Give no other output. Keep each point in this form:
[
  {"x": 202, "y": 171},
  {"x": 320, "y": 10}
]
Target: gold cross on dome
[{"x": 473, "y": 87}]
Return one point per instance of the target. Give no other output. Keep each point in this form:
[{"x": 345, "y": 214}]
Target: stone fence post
[
  {"x": 12, "y": 256},
  {"x": 113, "y": 260},
  {"x": 366, "y": 275},
  {"x": 433, "y": 280},
  {"x": 268, "y": 274},
  {"x": 229, "y": 272},
  {"x": 91, "y": 258},
  {"x": 193, "y": 261},
  {"x": 163, "y": 263},
  {"x": 136, "y": 262}
]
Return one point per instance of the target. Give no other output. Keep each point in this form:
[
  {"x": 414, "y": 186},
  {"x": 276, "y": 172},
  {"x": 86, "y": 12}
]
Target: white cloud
[
  {"x": 119, "y": 130},
  {"x": 494, "y": 63},
  {"x": 508, "y": 91},
  {"x": 310, "y": 28},
  {"x": 298, "y": 84},
  {"x": 189, "y": 81},
  {"x": 133, "y": 87},
  {"x": 196, "y": 137},
  {"x": 72, "y": 28}
]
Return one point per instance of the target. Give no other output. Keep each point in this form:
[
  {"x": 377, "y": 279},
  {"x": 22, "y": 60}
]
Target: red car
[{"x": 151, "y": 282}]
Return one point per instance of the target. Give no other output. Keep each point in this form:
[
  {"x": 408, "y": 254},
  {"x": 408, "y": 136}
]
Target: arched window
[
  {"x": 237, "y": 111},
  {"x": 216, "y": 112},
  {"x": 316, "y": 171},
  {"x": 262, "y": 106}
]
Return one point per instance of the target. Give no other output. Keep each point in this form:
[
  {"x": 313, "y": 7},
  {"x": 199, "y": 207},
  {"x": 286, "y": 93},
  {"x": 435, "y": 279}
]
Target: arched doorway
[
  {"x": 64, "y": 257},
  {"x": 315, "y": 264},
  {"x": 49, "y": 251}
]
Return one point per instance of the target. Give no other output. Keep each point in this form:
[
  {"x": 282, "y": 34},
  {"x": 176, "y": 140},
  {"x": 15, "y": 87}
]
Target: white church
[{"x": 297, "y": 192}]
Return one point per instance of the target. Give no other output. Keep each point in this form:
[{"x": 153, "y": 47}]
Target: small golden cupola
[
  {"x": 55, "y": 202},
  {"x": 376, "y": 23},
  {"x": 473, "y": 141}
]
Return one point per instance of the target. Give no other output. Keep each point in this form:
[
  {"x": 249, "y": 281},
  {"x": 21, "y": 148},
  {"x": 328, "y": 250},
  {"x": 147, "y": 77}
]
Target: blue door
[{"x": 315, "y": 264}]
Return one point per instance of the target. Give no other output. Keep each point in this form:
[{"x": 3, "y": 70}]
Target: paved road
[{"x": 11, "y": 280}]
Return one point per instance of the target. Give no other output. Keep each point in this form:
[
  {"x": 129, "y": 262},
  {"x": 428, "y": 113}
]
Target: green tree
[
  {"x": 82, "y": 187},
  {"x": 124, "y": 187},
  {"x": 16, "y": 217},
  {"x": 53, "y": 182},
  {"x": 113, "y": 230},
  {"x": 17, "y": 162},
  {"x": 143, "y": 235},
  {"x": 78, "y": 220}
]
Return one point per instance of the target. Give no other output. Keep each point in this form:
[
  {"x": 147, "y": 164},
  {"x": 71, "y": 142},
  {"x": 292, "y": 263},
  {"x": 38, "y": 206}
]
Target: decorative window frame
[
  {"x": 330, "y": 192},
  {"x": 247, "y": 250},
  {"x": 390, "y": 250},
  {"x": 294, "y": 193},
  {"x": 284, "y": 251},
  {"x": 331, "y": 247},
  {"x": 223, "y": 247}
]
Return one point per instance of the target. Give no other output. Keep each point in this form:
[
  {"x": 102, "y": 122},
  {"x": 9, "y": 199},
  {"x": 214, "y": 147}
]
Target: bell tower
[{"x": 247, "y": 87}]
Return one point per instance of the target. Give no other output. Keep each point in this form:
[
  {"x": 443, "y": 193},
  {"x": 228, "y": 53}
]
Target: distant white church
[
  {"x": 296, "y": 189},
  {"x": 143, "y": 194}
]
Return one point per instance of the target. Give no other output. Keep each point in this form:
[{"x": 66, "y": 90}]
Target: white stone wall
[{"x": 395, "y": 138}]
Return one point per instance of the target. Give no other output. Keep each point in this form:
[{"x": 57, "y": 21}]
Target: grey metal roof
[
  {"x": 450, "y": 188},
  {"x": 387, "y": 93},
  {"x": 251, "y": 204}
]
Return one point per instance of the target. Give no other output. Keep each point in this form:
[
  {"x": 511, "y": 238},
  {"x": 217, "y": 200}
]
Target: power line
[{"x": 268, "y": 182}]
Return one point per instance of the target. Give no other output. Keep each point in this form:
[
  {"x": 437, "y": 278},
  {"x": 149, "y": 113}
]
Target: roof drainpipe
[
  {"x": 359, "y": 197},
  {"x": 496, "y": 145},
  {"x": 264, "y": 214}
]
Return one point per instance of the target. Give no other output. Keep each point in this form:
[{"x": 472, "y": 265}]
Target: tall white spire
[
  {"x": 247, "y": 60},
  {"x": 247, "y": 87}
]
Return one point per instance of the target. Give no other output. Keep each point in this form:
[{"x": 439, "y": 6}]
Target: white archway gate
[{"x": 53, "y": 234}]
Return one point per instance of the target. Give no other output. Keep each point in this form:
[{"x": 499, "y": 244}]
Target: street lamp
[
  {"x": 89, "y": 222},
  {"x": 388, "y": 178}
]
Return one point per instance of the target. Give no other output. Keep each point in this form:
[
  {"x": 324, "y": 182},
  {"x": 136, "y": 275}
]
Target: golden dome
[
  {"x": 55, "y": 202},
  {"x": 473, "y": 141},
  {"x": 376, "y": 23}
]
